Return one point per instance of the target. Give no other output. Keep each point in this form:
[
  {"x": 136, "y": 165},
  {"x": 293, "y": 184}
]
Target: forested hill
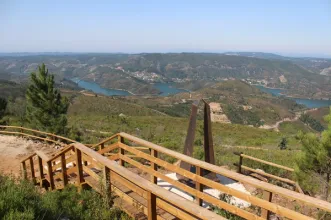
[{"x": 135, "y": 72}]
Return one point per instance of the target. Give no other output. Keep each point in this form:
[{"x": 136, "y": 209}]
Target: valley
[{"x": 137, "y": 73}]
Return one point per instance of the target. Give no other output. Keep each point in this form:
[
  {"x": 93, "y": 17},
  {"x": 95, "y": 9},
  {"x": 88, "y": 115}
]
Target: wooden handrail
[
  {"x": 314, "y": 202},
  {"x": 87, "y": 159},
  {"x": 104, "y": 141},
  {"x": 149, "y": 186},
  {"x": 267, "y": 162},
  {"x": 209, "y": 183},
  {"x": 36, "y": 131},
  {"x": 269, "y": 175}
]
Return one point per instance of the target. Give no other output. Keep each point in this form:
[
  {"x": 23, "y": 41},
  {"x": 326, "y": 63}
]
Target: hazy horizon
[{"x": 296, "y": 28}]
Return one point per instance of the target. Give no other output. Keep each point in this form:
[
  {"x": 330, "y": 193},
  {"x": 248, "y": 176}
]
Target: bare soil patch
[{"x": 13, "y": 149}]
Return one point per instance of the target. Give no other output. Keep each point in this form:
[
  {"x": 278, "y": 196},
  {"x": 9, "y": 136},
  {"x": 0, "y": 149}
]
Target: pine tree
[
  {"x": 313, "y": 165},
  {"x": 46, "y": 109}
]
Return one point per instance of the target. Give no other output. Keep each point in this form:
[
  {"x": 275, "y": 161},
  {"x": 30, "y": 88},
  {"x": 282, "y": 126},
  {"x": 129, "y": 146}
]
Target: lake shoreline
[
  {"x": 308, "y": 102},
  {"x": 290, "y": 96},
  {"x": 164, "y": 88}
]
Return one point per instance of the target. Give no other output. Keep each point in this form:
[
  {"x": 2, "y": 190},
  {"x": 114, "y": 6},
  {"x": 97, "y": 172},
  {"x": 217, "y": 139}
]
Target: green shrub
[{"x": 22, "y": 200}]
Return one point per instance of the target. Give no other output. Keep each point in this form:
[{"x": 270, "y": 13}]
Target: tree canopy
[
  {"x": 314, "y": 162},
  {"x": 46, "y": 109}
]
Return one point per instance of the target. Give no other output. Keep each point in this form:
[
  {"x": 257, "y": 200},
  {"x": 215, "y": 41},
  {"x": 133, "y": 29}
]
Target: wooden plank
[
  {"x": 154, "y": 166},
  {"x": 28, "y": 157},
  {"x": 107, "y": 182},
  {"x": 69, "y": 171},
  {"x": 252, "y": 199},
  {"x": 188, "y": 146},
  {"x": 67, "y": 160},
  {"x": 173, "y": 199},
  {"x": 208, "y": 136},
  {"x": 24, "y": 172},
  {"x": 267, "y": 162},
  {"x": 79, "y": 166},
  {"x": 63, "y": 150},
  {"x": 91, "y": 173},
  {"x": 38, "y": 132},
  {"x": 174, "y": 210},
  {"x": 298, "y": 188},
  {"x": 140, "y": 148},
  {"x": 268, "y": 175},
  {"x": 92, "y": 161},
  {"x": 104, "y": 141},
  {"x": 198, "y": 186},
  {"x": 314, "y": 202},
  {"x": 108, "y": 148},
  {"x": 265, "y": 214},
  {"x": 151, "y": 206},
  {"x": 50, "y": 175},
  {"x": 33, "y": 176},
  {"x": 43, "y": 155},
  {"x": 40, "y": 168},
  {"x": 212, "y": 200},
  {"x": 114, "y": 157},
  {"x": 121, "y": 151},
  {"x": 138, "y": 194},
  {"x": 64, "y": 169},
  {"x": 240, "y": 164}
]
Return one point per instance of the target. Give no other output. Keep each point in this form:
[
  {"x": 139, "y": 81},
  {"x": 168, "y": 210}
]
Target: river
[
  {"x": 309, "y": 103},
  {"x": 165, "y": 88}
]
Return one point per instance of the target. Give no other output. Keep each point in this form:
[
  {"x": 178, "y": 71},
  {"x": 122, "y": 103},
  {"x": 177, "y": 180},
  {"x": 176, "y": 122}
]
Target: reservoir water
[
  {"x": 165, "y": 88},
  {"x": 97, "y": 89},
  {"x": 309, "y": 103}
]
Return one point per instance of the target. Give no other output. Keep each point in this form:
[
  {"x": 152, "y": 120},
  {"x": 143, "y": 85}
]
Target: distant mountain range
[{"x": 303, "y": 77}]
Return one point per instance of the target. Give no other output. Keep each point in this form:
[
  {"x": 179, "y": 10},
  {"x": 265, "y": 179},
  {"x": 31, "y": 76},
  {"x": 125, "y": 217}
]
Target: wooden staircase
[{"x": 127, "y": 168}]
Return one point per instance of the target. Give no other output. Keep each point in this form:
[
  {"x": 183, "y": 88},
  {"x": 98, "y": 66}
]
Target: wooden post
[
  {"x": 198, "y": 185},
  {"x": 33, "y": 176},
  {"x": 188, "y": 147},
  {"x": 154, "y": 166},
  {"x": 240, "y": 163},
  {"x": 102, "y": 146},
  {"x": 208, "y": 136},
  {"x": 121, "y": 140},
  {"x": 64, "y": 169},
  {"x": 50, "y": 175},
  {"x": 41, "y": 170},
  {"x": 80, "y": 178},
  {"x": 24, "y": 174},
  {"x": 107, "y": 185},
  {"x": 151, "y": 206},
  {"x": 265, "y": 214}
]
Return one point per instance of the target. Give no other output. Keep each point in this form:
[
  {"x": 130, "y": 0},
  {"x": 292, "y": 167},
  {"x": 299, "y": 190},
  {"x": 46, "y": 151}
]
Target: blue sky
[{"x": 287, "y": 27}]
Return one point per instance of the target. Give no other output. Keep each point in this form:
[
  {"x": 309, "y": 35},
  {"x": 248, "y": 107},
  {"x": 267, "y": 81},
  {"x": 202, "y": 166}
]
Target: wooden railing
[
  {"x": 242, "y": 167},
  {"x": 81, "y": 165},
  {"x": 55, "y": 174},
  {"x": 35, "y": 134}
]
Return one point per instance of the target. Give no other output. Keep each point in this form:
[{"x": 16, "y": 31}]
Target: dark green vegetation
[
  {"x": 11, "y": 90},
  {"x": 22, "y": 200},
  {"x": 3, "y": 106},
  {"x": 312, "y": 122},
  {"x": 46, "y": 110},
  {"x": 190, "y": 70},
  {"x": 319, "y": 115},
  {"x": 313, "y": 164}
]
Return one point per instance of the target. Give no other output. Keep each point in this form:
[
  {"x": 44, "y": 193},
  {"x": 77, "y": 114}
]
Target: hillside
[
  {"x": 193, "y": 71},
  {"x": 241, "y": 102}
]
